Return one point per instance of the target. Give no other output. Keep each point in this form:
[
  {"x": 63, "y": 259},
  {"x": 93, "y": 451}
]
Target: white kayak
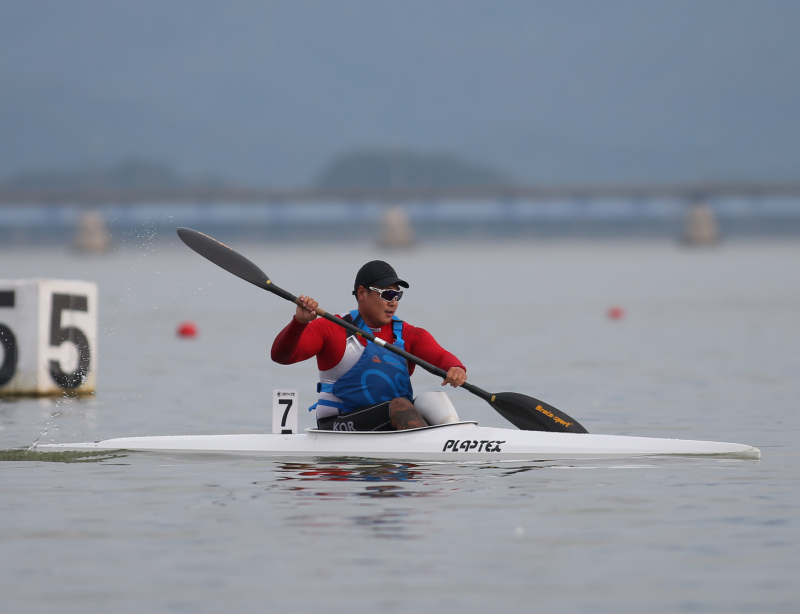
[{"x": 459, "y": 441}]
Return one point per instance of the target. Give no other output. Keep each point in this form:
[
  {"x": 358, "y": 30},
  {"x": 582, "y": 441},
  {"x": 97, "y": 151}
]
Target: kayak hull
[{"x": 460, "y": 441}]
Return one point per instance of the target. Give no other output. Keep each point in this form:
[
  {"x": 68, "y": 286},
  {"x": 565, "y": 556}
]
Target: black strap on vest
[{"x": 349, "y": 319}]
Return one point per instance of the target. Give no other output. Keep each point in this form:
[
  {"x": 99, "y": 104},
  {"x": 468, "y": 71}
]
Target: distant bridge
[{"x": 688, "y": 192}]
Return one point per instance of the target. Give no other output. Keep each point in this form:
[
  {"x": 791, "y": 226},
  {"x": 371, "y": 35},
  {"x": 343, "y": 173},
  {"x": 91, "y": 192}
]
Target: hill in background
[
  {"x": 131, "y": 174},
  {"x": 373, "y": 168},
  {"x": 395, "y": 169}
]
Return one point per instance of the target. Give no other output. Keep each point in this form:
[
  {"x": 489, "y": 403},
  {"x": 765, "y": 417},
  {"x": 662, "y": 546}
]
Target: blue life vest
[{"x": 377, "y": 376}]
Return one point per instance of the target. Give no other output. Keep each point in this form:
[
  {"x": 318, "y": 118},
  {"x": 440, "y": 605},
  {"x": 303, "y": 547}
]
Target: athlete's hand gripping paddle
[{"x": 522, "y": 411}]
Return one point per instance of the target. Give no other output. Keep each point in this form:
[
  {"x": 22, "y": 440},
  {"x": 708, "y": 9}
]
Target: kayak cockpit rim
[{"x": 317, "y": 431}]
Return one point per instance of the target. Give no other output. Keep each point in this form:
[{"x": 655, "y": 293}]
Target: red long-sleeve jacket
[{"x": 326, "y": 341}]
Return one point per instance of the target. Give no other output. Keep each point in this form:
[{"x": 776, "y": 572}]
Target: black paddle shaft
[{"x": 524, "y": 412}]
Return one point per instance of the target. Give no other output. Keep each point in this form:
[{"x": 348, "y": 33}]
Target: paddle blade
[
  {"x": 223, "y": 256},
  {"x": 529, "y": 414}
]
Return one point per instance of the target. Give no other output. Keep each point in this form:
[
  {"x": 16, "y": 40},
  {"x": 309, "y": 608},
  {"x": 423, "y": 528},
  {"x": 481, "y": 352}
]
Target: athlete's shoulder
[
  {"x": 327, "y": 326},
  {"x": 320, "y": 324},
  {"x": 410, "y": 331}
]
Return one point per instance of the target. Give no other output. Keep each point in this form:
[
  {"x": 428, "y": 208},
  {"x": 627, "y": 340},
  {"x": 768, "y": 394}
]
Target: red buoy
[
  {"x": 616, "y": 313},
  {"x": 187, "y": 330}
]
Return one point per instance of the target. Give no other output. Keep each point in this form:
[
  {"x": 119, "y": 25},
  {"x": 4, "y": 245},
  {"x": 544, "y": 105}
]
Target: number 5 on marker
[{"x": 284, "y": 411}]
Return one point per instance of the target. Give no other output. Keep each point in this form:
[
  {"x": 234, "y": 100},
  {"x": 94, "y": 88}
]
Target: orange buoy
[
  {"x": 616, "y": 313},
  {"x": 187, "y": 330}
]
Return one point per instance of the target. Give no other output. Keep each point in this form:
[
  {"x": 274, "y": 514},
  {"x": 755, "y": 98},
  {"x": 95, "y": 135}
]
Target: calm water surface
[{"x": 708, "y": 349}]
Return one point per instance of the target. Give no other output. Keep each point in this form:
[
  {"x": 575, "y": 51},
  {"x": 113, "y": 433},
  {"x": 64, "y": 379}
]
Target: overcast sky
[{"x": 264, "y": 93}]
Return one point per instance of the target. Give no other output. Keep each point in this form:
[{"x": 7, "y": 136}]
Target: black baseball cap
[{"x": 377, "y": 273}]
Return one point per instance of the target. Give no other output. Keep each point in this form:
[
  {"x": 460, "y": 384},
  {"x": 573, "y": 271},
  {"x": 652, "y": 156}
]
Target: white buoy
[
  {"x": 396, "y": 228},
  {"x": 701, "y": 225},
  {"x": 92, "y": 234}
]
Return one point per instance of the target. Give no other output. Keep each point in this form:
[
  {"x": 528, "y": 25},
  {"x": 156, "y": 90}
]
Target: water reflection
[
  {"x": 384, "y": 499},
  {"x": 385, "y": 490},
  {"x": 399, "y": 476},
  {"x": 334, "y": 487},
  {"x": 338, "y": 479},
  {"x": 338, "y": 471},
  {"x": 392, "y": 524}
]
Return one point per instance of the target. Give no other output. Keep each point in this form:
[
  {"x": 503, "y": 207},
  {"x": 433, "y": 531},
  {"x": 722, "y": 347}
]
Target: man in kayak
[{"x": 364, "y": 387}]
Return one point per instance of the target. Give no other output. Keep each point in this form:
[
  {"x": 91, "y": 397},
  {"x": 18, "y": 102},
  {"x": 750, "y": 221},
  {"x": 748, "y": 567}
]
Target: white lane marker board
[
  {"x": 284, "y": 411},
  {"x": 48, "y": 337}
]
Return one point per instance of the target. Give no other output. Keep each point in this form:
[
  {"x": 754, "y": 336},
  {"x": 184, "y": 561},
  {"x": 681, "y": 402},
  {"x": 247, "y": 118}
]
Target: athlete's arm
[
  {"x": 455, "y": 377},
  {"x": 297, "y": 342},
  {"x": 421, "y": 344},
  {"x": 306, "y": 313}
]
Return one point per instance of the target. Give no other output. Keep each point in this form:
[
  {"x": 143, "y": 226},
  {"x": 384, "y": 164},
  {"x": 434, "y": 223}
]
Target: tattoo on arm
[{"x": 404, "y": 415}]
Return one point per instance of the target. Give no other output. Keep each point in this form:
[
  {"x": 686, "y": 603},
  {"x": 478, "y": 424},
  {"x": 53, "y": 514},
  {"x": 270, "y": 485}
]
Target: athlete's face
[{"x": 375, "y": 311}]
